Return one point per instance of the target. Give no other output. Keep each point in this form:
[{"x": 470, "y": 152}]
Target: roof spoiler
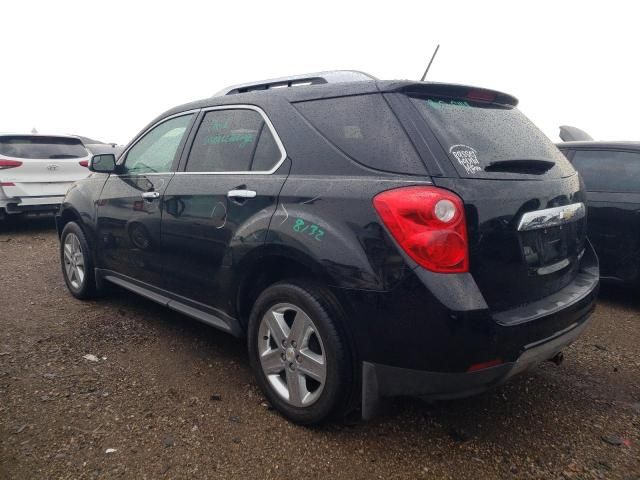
[
  {"x": 319, "y": 78},
  {"x": 458, "y": 91},
  {"x": 573, "y": 134}
]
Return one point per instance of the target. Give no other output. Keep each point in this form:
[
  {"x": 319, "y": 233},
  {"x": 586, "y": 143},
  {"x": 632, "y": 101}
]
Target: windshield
[
  {"x": 41, "y": 147},
  {"x": 489, "y": 140}
]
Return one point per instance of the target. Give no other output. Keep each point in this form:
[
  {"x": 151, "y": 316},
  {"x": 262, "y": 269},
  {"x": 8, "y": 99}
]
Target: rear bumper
[
  {"x": 380, "y": 381},
  {"x": 31, "y": 204},
  {"x": 429, "y": 336}
]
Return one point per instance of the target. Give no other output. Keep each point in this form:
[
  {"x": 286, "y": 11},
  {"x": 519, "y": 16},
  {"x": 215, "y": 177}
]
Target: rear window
[
  {"x": 364, "y": 128},
  {"x": 41, "y": 147},
  {"x": 609, "y": 170},
  {"x": 486, "y": 140}
]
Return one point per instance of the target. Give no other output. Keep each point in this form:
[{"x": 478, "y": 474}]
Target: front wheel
[
  {"x": 77, "y": 264},
  {"x": 298, "y": 353}
]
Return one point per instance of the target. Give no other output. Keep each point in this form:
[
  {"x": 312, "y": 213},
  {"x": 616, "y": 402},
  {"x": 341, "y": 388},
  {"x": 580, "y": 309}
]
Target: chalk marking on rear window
[
  {"x": 467, "y": 157},
  {"x": 243, "y": 139},
  {"x": 440, "y": 103}
]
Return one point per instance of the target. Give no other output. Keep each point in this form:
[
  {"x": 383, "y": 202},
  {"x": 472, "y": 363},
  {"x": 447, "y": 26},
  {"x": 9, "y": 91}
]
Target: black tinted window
[
  {"x": 365, "y": 128},
  {"x": 41, "y": 147},
  {"x": 233, "y": 141},
  {"x": 477, "y": 134},
  {"x": 608, "y": 171}
]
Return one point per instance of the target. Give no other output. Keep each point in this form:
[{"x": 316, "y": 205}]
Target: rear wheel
[
  {"x": 297, "y": 352},
  {"x": 77, "y": 264}
]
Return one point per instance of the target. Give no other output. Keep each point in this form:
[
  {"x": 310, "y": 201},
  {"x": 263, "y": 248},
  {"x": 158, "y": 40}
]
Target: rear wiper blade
[
  {"x": 60, "y": 156},
  {"x": 531, "y": 166}
]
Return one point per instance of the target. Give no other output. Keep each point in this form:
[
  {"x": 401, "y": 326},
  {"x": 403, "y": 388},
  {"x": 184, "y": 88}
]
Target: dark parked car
[
  {"x": 611, "y": 172},
  {"x": 370, "y": 238}
]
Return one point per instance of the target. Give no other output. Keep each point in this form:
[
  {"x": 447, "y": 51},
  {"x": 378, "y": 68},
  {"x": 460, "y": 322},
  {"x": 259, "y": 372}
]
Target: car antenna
[{"x": 430, "y": 62}]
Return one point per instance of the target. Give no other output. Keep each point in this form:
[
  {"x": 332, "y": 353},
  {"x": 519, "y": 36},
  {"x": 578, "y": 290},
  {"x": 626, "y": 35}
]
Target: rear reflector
[
  {"x": 429, "y": 224},
  {"x": 4, "y": 164},
  {"x": 483, "y": 365},
  {"x": 84, "y": 163},
  {"x": 7, "y": 184}
]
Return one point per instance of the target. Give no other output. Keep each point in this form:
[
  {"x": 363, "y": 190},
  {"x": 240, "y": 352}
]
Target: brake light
[
  {"x": 4, "y": 163},
  {"x": 7, "y": 184},
  {"x": 429, "y": 224},
  {"x": 84, "y": 163},
  {"x": 481, "y": 95}
]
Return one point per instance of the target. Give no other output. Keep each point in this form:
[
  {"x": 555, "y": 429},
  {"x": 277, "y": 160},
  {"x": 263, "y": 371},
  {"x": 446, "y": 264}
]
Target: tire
[
  {"x": 319, "y": 361},
  {"x": 76, "y": 260}
]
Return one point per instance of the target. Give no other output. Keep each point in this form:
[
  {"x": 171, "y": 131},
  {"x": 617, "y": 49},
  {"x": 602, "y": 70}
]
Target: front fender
[{"x": 81, "y": 203}]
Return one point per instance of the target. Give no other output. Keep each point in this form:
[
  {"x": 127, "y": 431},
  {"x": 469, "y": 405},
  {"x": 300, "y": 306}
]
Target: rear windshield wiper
[{"x": 531, "y": 167}]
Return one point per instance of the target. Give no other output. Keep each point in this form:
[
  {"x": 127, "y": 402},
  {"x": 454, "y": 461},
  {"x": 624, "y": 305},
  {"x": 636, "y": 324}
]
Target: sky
[{"x": 104, "y": 69}]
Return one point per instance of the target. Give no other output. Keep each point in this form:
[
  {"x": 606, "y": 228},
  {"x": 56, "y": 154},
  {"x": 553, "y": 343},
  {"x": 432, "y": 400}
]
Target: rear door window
[
  {"x": 365, "y": 129},
  {"x": 41, "y": 147},
  {"x": 487, "y": 140},
  {"x": 233, "y": 140},
  {"x": 609, "y": 170}
]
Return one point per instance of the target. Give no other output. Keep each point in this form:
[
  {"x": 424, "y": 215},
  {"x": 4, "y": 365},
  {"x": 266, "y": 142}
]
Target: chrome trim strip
[
  {"x": 551, "y": 217},
  {"x": 276, "y": 137}
]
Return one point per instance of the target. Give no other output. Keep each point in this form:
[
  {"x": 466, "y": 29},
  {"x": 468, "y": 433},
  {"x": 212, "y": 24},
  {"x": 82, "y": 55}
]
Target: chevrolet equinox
[{"x": 369, "y": 238}]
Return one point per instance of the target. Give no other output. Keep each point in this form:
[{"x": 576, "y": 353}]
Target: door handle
[
  {"x": 150, "y": 195},
  {"x": 241, "y": 194}
]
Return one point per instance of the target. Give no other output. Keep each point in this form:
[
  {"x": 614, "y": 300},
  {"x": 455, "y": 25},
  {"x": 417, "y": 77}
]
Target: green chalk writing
[
  {"x": 440, "y": 103},
  {"x": 310, "y": 229},
  {"x": 243, "y": 139}
]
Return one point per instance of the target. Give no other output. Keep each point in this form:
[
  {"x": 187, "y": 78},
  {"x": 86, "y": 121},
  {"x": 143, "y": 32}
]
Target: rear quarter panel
[{"x": 332, "y": 221}]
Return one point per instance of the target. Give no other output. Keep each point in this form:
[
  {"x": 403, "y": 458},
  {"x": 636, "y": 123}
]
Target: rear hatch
[
  {"x": 34, "y": 167},
  {"x": 503, "y": 168}
]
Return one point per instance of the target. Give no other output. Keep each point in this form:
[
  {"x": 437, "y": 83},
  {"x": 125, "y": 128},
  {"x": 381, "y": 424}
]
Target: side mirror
[{"x": 103, "y": 163}]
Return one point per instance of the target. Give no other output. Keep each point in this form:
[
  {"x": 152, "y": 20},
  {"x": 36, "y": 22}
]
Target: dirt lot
[{"x": 176, "y": 399}]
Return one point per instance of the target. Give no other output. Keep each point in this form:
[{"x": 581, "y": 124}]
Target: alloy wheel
[
  {"x": 73, "y": 260},
  {"x": 292, "y": 355}
]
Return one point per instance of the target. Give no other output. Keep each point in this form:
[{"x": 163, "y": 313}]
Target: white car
[{"x": 37, "y": 170}]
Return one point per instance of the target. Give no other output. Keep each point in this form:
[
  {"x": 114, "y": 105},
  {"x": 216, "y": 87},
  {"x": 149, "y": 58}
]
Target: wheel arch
[
  {"x": 269, "y": 266},
  {"x": 68, "y": 214}
]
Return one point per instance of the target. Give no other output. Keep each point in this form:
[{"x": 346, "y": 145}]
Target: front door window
[{"x": 157, "y": 150}]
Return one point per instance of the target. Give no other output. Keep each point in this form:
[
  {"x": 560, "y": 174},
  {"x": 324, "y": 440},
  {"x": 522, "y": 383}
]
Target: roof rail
[{"x": 334, "y": 76}]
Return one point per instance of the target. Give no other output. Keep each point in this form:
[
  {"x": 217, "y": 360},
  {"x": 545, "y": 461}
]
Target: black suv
[
  {"x": 611, "y": 172},
  {"x": 369, "y": 238}
]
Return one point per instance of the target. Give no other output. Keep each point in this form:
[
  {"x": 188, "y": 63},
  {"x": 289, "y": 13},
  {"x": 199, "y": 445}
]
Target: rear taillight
[
  {"x": 429, "y": 224},
  {"x": 84, "y": 163},
  {"x": 4, "y": 163},
  {"x": 7, "y": 184}
]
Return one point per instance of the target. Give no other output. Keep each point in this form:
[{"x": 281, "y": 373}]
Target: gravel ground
[{"x": 171, "y": 398}]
